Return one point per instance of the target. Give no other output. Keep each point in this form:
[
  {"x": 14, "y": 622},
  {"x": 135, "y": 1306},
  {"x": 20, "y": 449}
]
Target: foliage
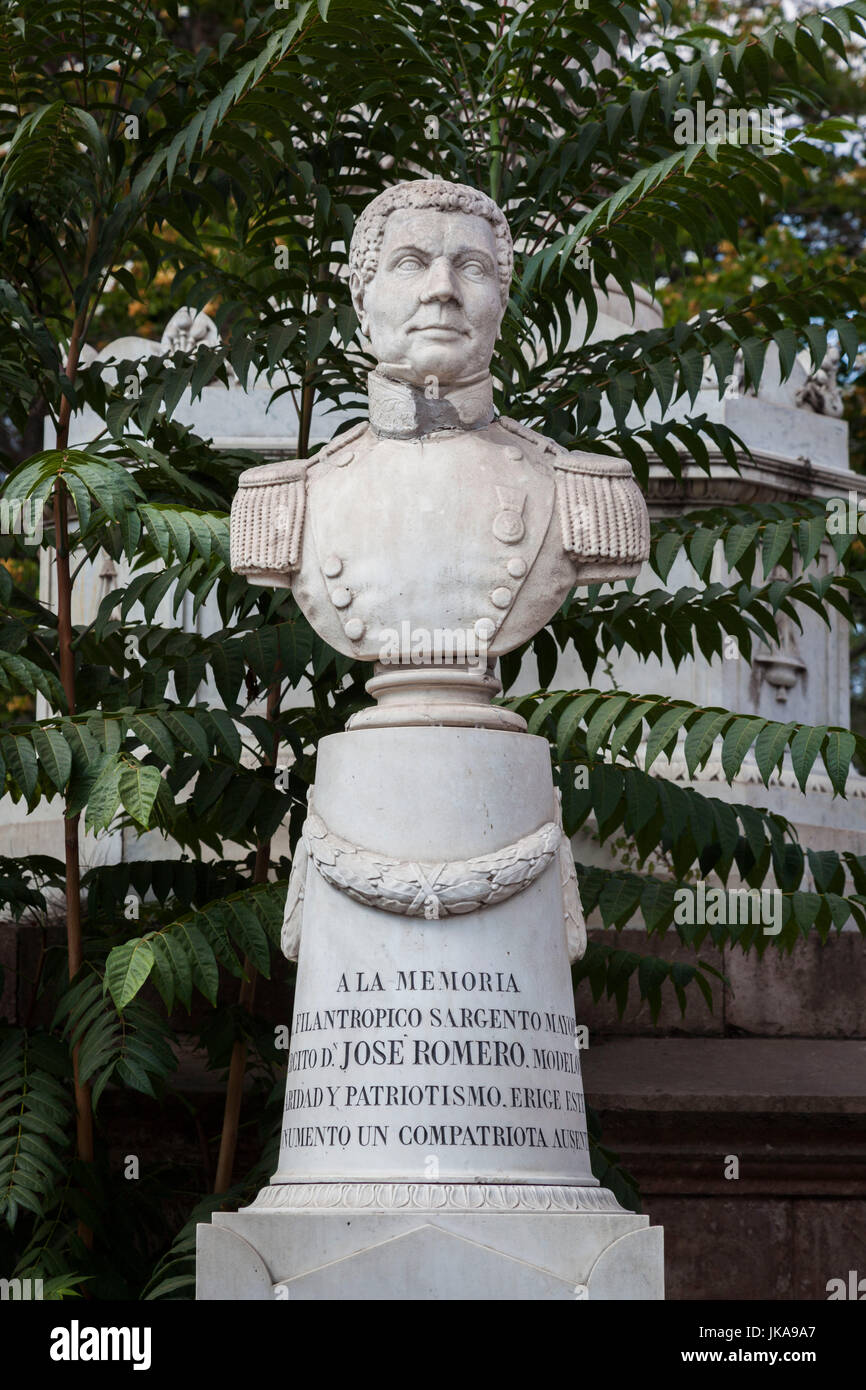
[{"x": 132, "y": 152}]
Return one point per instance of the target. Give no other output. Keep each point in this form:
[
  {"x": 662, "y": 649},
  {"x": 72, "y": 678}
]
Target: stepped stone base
[{"x": 416, "y": 1243}]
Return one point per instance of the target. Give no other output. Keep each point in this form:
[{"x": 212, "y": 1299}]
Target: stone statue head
[{"x": 430, "y": 270}]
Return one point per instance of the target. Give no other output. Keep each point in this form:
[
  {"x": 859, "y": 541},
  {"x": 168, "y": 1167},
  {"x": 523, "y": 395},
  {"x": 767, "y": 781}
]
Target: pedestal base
[
  {"x": 434, "y": 1141},
  {"x": 415, "y": 1243}
]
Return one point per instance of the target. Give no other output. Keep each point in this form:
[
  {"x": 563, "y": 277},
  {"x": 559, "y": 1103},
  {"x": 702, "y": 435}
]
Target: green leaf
[
  {"x": 154, "y": 734},
  {"x": 188, "y": 732},
  {"x": 103, "y": 794},
  {"x": 701, "y": 737},
  {"x": 602, "y": 720},
  {"x": 663, "y": 733},
  {"x": 126, "y": 970},
  {"x": 805, "y": 748},
  {"x": 838, "y": 754},
  {"x": 138, "y": 787},
  {"x": 776, "y": 540},
  {"x": 569, "y": 720},
  {"x": 54, "y": 754},
  {"x": 770, "y": 746},
  {"x": 20, "y": 758},
  {"x": 626, "y": 726},
  {"x": 738, "y": 739},
  {"x": 205, "y": 971}
]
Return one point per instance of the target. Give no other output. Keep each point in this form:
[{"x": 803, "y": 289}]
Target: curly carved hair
[{"x": 428, "y": 193}]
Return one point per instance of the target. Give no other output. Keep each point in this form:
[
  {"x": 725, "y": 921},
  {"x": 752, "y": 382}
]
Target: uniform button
[
  {"x": 516, "y": 567},
  {"x": 501, "y": 598},
  {"x": 485, "y": 628},
  {"x": 341, "y": 598},
  {"x": 354, "y": 629},
  {"x": 512, "y": 452},
  {"x": 332, "y": 566}
]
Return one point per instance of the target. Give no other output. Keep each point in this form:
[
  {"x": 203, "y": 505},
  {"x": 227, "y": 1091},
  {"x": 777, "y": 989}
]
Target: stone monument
[{"x": 434, "y": 1141}]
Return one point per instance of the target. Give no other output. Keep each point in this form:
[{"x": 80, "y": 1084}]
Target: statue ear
[{"x": 356, "y": 287}]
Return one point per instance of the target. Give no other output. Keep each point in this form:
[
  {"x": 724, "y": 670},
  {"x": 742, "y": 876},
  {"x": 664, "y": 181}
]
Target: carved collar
[{"x": 401, "y": 410}]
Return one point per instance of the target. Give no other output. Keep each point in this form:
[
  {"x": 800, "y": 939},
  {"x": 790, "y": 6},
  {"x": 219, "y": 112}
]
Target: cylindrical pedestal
[
  {"x": 434, "y": 1136},
  {"x": 444, "y": 1049}
]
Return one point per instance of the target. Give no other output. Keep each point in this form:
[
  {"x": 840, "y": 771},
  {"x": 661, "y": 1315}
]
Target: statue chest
[{"x": 443, "y": 533}]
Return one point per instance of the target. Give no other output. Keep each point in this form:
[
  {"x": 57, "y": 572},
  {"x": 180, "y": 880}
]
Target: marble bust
[{"x": 436, "y": 515}]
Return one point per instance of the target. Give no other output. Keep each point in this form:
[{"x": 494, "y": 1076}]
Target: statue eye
[
  {"x": 474, "y": 269},
  {"x": 408, "y": 263}
]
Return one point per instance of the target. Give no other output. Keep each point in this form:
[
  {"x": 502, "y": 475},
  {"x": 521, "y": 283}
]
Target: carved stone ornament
[
  {"x": 821, "y": 391},
  {"x": 426, "y": 889},
  {"x": 430, "y": 1196},
  {"x": 430, "y": 890},
  {"x": 189, "y": 329}
]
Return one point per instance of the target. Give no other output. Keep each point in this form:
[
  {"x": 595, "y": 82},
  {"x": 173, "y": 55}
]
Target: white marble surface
[
  {"x": 382, "y": 1256},
  {"x": 439, "y": 1049}
]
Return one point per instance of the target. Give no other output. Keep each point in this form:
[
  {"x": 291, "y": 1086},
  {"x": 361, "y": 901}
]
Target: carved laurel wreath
[
  {"x": 431, "y": 890},
  {"x": 425, "y": 889}
]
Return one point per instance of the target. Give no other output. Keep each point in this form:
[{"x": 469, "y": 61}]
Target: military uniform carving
[{"x": 507, "y": 522}]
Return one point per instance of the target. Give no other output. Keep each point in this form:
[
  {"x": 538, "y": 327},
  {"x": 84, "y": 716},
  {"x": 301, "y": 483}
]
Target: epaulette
[
  {"x": 267, "y": 520},
  {"x": 602, "y": 511},
  {"x": 267, "y": 516}
]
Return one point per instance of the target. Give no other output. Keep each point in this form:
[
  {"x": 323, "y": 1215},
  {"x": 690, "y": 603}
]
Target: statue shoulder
[
  {"x": 338, "y": 451},
  {"x": 274, "y": 474},
  {"x": 603, "y": 514},
  {"x": 287, "y": 471},
  {"x": 541, "y": 443},
  {"x": 267, "y": 517}
]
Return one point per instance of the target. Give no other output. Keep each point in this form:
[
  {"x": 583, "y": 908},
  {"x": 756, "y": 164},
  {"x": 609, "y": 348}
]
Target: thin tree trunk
[
  {"x": 308, "y": 390},
  {"x": 308, "y": 394},
  {"x": 246, "y": 996},
  {"x": 74, "y": 940}
]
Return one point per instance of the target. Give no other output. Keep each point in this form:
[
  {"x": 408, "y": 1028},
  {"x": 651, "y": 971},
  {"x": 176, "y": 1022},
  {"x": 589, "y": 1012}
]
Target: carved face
[{"x": 433, "y": 305}]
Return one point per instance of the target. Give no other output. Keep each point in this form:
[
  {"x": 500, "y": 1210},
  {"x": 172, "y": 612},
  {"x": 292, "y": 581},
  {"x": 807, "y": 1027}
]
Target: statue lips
[
  {"x": 440, "y": 329},
  {"x": 441, "y": 332}
]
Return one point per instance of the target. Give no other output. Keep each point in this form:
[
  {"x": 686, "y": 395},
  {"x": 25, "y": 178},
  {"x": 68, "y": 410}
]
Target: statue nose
[{"x": 440, "y": 283}]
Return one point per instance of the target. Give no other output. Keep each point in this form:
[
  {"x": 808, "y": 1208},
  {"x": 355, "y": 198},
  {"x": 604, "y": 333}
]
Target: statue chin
[
  {"x": 439, "y": 359},
  {"x": 425, "y": 355}
]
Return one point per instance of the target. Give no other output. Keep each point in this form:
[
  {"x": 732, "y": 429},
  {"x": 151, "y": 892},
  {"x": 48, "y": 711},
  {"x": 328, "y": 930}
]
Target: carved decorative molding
[
  {"x": 430, "y": 1196},
  {"x": 189, "y": 329},
  {"x": 676, "y": 771},
  {"x": 763, "y": 478},
  {"x": 427, "y": 889},
  {"x": 417, "y": 890},
  {"x": 783, "y": 667}
]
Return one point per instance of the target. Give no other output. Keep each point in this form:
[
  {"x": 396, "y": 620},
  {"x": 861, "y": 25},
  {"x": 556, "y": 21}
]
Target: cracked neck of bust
[{"x": 400, "y": 408}]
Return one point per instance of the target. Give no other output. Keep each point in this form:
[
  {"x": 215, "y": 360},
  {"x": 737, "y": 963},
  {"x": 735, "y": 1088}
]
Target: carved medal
[{"x": 508, "y": 523}]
